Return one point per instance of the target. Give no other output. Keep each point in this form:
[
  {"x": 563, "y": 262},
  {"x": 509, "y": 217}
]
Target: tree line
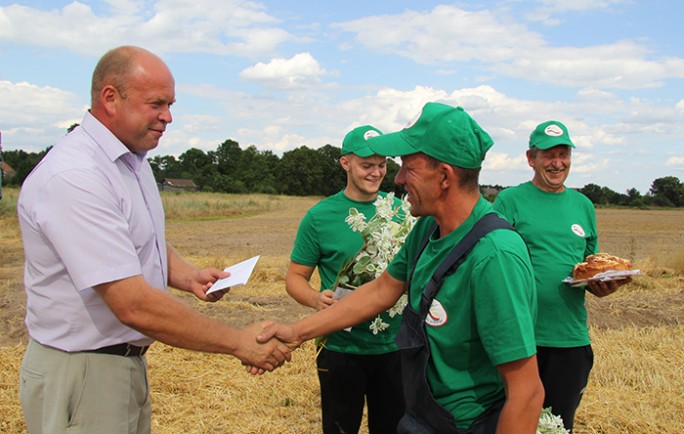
[{"x": 314, "y": 172}]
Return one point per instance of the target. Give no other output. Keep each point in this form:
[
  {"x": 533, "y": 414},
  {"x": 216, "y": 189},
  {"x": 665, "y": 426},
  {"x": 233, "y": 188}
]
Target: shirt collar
[{"x": 110, "y": 144}]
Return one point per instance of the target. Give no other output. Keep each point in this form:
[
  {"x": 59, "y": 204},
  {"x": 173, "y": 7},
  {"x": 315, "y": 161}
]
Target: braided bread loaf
[{"x": 599, "y": 263}]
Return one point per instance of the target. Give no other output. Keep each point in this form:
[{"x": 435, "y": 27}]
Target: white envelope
[{"x": 239, "y": 274}]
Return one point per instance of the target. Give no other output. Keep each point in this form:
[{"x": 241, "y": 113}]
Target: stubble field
[{"x": 637, "y": 385}]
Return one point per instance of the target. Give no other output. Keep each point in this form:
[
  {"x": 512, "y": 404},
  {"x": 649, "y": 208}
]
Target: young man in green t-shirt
[
  {"x": 559, "y": 227},
  {"x": 476, "y": 371},
  {"x": 354, "y": 365}
]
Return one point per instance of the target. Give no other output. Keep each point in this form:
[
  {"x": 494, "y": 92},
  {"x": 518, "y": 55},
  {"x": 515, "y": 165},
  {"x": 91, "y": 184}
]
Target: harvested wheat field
[{"x": 637, "y": 385}]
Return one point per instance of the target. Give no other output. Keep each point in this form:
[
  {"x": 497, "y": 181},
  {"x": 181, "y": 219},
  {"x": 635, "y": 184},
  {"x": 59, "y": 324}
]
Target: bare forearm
[
  {"x": 180, "y": 271},
  {"x": 299, "y": 289},
  {"x": 524, "y": 397},
  {"x": 518, "y": 420},
  {"x": 160, "y": 316},
  {"x": 362, "y": 304}
]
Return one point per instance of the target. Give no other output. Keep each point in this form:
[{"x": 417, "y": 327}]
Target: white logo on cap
[
  {"x": 370, "y": 133},
  {"x": 578, "y": 230},
  {"x": 413, "y": 121},
  {"x": 436, "y": 316},
  {"x": 553, "y": 130}
]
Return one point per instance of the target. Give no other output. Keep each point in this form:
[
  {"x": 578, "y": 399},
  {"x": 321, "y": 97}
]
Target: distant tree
[
  {"x": 668, "y": 191},
  {"x": 612, "y": 197},
  {"x": 302, "y": 172},
  {"x": 23, "y": 163},
  {"x": 388, "y": 183},
  {"x": 227, "y": 184},
  {"x": 72, "y": 127},
  {"x": 633, "y": 194},
  {"x": 227, "y": 157},
  {"x": 594, "y": 193},
  {"x": 165, "y": 167},
  {"x": 256, "y": 170},
  {"x": 195, "y": 164},
  {"x": 336, "y": 178},
  {"x": 633, "y": 198}
]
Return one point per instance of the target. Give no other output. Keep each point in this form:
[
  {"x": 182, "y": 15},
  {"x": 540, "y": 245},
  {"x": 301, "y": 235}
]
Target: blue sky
[{"x": 279, "y": 75}]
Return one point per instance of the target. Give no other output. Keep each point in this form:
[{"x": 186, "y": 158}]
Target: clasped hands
[{"x": 270, "y": 347}]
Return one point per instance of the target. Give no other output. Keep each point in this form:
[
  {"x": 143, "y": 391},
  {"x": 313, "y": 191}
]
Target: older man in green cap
[
  {"x": 559, "y": 227},
  {"x": 467, "y": 335}
]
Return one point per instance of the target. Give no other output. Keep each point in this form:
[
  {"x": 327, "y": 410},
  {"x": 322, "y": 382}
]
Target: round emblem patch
[
  {"x": 578, "y": 230},
  {"x": 370, "y": 133},
  {"x": 553, "y": 130},
  {"x": 413, "y": 121},
  {"x": 436, "y": 316}
]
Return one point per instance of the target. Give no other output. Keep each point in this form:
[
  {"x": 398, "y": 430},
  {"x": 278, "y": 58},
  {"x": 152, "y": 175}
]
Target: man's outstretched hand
[
  {"x": 276, "y": 334},
  {"x": 265, "y": 355}
]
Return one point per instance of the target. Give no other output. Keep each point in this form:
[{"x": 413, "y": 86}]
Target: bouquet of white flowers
[
  {"x": 550, "y": 423},
  {"x": 383, "y": 235}
]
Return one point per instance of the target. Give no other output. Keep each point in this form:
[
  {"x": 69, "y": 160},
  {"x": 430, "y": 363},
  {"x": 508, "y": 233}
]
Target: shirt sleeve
[
  {"x": 499, "y": 206},
  {"x": 505, "y": 304},
  {"x": 306, "y": 249},
  {"x": 82, "y": 220},
  {"x": 592, "y": 239}
]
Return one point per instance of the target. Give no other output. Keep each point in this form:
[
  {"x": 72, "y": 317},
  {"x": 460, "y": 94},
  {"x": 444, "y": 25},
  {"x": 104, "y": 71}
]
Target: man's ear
[
  {"x": 109, "y": 97},
  {"x": 345, "y": 162},
  {"x": 447, "y": 175},
  {"x": 530, "y": 158}
]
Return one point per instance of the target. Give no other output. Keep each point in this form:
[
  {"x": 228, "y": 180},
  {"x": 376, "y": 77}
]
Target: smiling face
[
  {"x": 364, "y": 175},
  {"x": 133, "y": 96},
  {"x": 421, "y": 181},
  {"x": 145, "y": 109},
  {"x": 551, "y": 167}
]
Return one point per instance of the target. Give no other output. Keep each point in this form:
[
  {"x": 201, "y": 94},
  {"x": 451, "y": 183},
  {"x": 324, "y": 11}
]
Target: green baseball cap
[
  {"x": 443, "y": 132},
  {"x": 356, "y": 141},
  {"x": 549, "y": 134}
]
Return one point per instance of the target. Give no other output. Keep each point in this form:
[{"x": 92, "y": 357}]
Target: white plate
[{"x": 604, "y": 277}]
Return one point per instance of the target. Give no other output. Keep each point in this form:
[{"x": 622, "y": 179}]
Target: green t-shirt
[
  {"x": 325, "y": 240},
  {"x": 482, "y": 316},
  {"x": 560, "y": 231}
]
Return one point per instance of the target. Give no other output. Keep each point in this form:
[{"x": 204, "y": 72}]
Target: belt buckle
[{"x": 133, "y": 350}]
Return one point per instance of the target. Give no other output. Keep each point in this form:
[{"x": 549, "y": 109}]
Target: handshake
[{"x": 265, "y": 346}]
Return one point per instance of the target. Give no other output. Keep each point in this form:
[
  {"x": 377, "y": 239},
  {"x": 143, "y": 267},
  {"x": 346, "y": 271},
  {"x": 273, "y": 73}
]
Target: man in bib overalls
[{"x": 467, "y": 337}]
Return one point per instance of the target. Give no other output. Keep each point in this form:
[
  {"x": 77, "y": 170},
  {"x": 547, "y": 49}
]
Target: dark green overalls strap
[{"x": 424, "y": 415}]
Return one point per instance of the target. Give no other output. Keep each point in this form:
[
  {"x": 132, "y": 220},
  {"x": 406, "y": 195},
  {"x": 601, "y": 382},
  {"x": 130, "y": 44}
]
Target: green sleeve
[{"x": 306, "y": 249}]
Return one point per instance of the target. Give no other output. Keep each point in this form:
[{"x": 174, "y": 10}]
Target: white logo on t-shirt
[
  {"x": 578, "y": 230},
  {"x": 436, "y": 316}
]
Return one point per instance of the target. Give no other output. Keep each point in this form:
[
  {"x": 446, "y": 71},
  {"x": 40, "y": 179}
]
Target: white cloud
[
  {"x": 550, "y": 12},
  {"x": 300, "y": 71},
  {"x": 445, "y": 34},
  {"x": 675, "y": 161},
  {"x": 621, "y": 65},
  {"x": 501, "y": 161},
  {"x": 232, "y": 27},
  {"x": 588, "y": 165},
  {"x": 448, "y": 35},
  {"x": 23, "y": 102}
]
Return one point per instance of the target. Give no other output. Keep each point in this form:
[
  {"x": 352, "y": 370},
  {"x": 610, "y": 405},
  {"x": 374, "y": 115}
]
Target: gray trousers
[{"x": 64, "y": 392}]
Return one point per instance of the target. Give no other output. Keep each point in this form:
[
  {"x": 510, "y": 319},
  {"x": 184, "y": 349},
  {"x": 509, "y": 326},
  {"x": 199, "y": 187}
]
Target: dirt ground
[
  {"x": 631, "y": 330},
  {"x": 271, "y": 235}
]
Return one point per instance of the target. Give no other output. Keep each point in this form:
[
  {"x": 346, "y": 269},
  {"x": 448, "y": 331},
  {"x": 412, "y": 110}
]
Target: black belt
[{"x": 126, "y": 350}]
